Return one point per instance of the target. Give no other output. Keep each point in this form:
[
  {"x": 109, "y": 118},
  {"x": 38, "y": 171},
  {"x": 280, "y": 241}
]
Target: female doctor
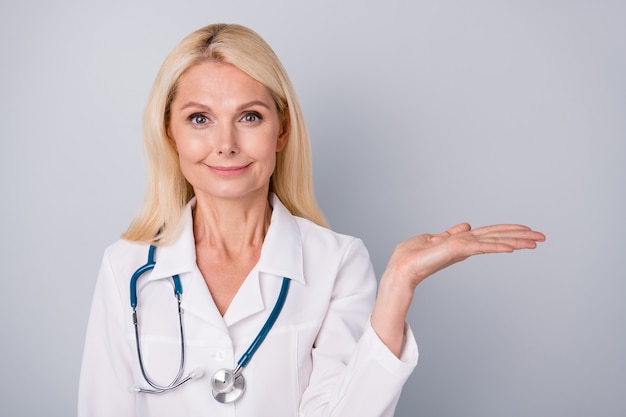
[{"x": 227, "y": 295}]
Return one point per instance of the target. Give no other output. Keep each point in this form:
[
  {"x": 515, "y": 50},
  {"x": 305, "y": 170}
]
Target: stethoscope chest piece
[{"x": 227, "y": 385}]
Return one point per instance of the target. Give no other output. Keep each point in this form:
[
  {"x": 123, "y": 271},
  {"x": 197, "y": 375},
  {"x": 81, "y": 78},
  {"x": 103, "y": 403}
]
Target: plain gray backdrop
[{"x": 423, "y": 114}]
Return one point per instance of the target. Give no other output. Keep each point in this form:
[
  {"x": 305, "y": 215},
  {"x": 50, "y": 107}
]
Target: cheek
[
  {"x": 265, "y": 145},
  {"x": 190, "y": 149},
  {"x": 267, "y": 154}
]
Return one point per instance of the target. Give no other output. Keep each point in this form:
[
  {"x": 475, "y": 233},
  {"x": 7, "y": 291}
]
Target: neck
[{"x": 231, "y": 225}]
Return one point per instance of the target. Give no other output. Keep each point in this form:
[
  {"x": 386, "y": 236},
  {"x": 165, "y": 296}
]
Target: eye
[
  {"x": 251, "y": 117},
  {"x": 198, "y": 119}
]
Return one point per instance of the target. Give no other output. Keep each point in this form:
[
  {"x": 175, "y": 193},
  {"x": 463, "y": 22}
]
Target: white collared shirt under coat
[{"x": 321, "y": 358}]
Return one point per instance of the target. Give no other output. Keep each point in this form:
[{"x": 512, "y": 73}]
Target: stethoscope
[{"x": 227, "y": 385}]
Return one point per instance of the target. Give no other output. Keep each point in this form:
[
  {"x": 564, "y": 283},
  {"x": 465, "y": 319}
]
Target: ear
[
  {"x": 170, "y": 139},
  {"x": 284, "y": 135}
]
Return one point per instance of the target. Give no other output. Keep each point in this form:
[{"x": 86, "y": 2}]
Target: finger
[
  {"x": 515, "y": 243},
  {"x": 463, "y": 248},
  {"x": 514, "y": 234},
  {"x": 483, "y": 248},
  {"x": 499, "y": 247},
  {"x": 462, "y": 252},
  {"x": 459, "y": 228},
  {"x": 499, "y": 228}
]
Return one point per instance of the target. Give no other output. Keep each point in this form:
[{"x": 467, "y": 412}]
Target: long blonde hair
[{"x": 168, "y": 190}]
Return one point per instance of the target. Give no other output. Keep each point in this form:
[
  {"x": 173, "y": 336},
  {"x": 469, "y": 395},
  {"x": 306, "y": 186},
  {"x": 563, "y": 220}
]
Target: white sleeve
[
  {"x": 106, "y": 372},
  {"x": 354, "y": 373}
]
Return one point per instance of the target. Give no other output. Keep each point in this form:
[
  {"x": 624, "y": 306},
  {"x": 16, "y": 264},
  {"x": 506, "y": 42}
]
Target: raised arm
[{"x": 419, "y": 257}]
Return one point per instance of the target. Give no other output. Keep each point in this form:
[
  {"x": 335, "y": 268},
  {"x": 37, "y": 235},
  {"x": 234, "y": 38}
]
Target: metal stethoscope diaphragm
[{"x": 226, "y": 385}]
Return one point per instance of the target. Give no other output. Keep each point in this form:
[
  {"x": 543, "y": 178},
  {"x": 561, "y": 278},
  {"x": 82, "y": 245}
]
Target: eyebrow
[{"x": 240, "y": 107}]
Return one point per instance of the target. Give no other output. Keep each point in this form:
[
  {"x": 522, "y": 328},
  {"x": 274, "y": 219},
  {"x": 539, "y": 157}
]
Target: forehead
[{"x": 219, "y": 83}]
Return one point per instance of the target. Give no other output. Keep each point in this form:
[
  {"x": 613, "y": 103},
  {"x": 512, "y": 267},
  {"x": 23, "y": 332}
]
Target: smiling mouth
[{"x": 228, "y": 171}]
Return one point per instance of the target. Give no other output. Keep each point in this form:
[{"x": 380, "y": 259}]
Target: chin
[{"x": 234, "y": 193}]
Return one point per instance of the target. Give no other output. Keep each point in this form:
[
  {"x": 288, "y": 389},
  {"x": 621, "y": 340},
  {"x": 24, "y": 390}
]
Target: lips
[{"x": 228, "y": 171}]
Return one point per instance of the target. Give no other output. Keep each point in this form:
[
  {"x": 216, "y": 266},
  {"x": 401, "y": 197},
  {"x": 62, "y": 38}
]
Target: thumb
[{"x": 461, "y": 227}]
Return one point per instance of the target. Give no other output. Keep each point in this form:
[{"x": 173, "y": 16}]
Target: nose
[{"x": 226, "y": 140}]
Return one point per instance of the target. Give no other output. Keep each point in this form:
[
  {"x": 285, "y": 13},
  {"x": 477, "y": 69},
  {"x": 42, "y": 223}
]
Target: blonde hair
[{"x": 168, "y": 191}]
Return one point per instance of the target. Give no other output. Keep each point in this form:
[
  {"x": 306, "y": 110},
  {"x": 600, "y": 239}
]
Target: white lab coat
[{"x": 321, "y": 358}]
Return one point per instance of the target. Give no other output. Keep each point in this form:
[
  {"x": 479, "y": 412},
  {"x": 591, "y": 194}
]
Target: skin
[
  {"x": 417, "y": 258},
  {"x": 227, "y": 131}
]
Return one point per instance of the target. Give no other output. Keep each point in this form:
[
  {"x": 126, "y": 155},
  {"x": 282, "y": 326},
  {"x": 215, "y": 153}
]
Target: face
[{"x": 226, "y": 129}]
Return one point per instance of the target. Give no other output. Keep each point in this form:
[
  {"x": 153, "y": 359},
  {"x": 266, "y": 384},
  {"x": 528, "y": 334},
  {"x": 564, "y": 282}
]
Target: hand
[
  {"x": 417, "y": 258},
  {"x": 421, "y": 256}
]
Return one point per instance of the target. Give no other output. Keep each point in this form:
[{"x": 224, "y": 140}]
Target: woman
[{"x": 230, "y": 214}]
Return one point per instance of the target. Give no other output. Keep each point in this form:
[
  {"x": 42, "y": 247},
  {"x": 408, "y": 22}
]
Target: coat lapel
[{"x": 281, "y": 256}]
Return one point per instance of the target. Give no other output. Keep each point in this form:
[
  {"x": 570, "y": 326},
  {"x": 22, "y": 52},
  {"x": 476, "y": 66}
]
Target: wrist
[{"x": 389, "y": 315}]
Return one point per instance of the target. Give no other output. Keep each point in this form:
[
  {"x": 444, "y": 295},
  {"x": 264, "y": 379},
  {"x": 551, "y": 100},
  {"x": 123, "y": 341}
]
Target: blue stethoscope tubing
[
  {"x": 178, "y": 291},
  {"x": 223, "y": 386}
]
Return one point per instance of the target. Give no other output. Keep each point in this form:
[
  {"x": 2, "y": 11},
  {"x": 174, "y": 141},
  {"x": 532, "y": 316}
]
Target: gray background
[{"x": 423, "y": 114}]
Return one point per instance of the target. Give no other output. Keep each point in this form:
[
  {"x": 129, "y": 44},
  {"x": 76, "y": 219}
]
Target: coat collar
[{"x": 281, "y": 254}]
